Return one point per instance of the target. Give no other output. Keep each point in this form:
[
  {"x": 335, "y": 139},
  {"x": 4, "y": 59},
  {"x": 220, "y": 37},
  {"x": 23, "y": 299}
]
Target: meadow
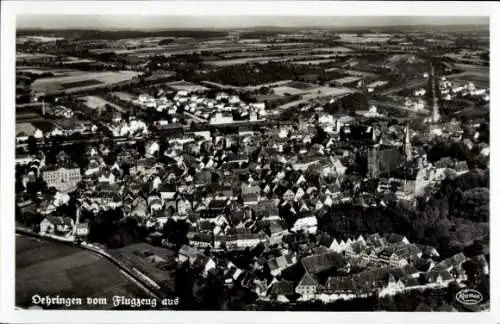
[{"x": 49, "y": 268}]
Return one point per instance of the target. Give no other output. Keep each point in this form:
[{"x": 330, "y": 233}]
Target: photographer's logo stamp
[{"x": 469, "y": 297}]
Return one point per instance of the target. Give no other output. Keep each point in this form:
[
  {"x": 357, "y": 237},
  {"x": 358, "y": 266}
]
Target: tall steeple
[
  {"x": 407, "y": 144},
  {"x": 373, "y": 154},
  {"x": 435, "y": 107}
]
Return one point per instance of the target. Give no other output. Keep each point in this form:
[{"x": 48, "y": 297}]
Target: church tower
[
  {"x": 407, "y": 143},
  {"x": 373, "y": 154},
  {"x": 435, "y": 117}
]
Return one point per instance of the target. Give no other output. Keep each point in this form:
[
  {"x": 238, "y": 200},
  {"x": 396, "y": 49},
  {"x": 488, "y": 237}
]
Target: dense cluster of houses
[
  {"x": 233, "y": 190},
  {"x": 219, "y": 110}
]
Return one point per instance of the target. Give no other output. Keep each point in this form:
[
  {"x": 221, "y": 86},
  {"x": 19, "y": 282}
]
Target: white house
[
  {"x": 308, "y": 224},
  {"x": 56, "y": 225}
]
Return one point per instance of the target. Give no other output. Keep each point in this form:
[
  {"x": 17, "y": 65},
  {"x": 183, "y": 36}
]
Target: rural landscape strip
[{"x": 137, "y": 277}]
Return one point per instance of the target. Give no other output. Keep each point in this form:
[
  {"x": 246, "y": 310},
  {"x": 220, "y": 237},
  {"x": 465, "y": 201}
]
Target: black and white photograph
[{"x": 249, "y": 162}]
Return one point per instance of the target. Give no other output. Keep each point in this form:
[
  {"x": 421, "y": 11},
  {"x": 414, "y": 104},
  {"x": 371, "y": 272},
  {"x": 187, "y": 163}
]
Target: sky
[{"x": 168, "y": 22}]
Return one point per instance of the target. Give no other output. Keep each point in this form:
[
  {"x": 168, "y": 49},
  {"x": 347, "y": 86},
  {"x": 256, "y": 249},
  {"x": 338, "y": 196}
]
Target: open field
[
  {"x": 98, "y": 103},
  {"x": 82, "y": 83},
  {"x": 124, "y": 96},
  {"x": 49, "y": 269},
  {"x": 314, "y": 62},
  {"x": 78, "y": 81},
  {"x": 261, "y": 59},
  {"x": 481, "y": 76},
  {"x": 186, "y": 86},
  {"x": 477, "y": 69},
  {"x": 219, "y": 85},
  {"x": 336, "y": 49},
  {"x": 269, "y": 85},
  {"x": 327, "y": 92},
  {"x": 351, "y": 72},
  {"x": 354, "y": 38},
  {"x": 301, "y": 85},
  {"x": 57, "y": 72},
  {"x": 283, "y": 90},
  {"x": 34, "y": 56}
]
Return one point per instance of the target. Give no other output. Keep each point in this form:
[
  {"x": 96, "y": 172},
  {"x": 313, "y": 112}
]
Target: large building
[
  {"x": 63, "y": 179},
  {"x": 385, "y": 160}
]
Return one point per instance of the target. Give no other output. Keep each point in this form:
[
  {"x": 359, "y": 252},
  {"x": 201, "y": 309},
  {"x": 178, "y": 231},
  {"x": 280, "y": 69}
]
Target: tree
[
  {"x": 475, "y": 205},
  {"x": 474, "y": 249},
  {"x": 472, "y": 270},
  {"x": 184, "y": 282},
  {"x": 460, "y": 151},
  {"x": 141, "y": 148},
  {"x": 19, "y": 186},
  {"x": 32, "y": 145}
]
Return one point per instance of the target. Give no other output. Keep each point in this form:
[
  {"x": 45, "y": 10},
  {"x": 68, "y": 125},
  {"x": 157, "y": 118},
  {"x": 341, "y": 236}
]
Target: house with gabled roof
[
  {"x": 289, "y": 195},
  {"x": 25, "y": 130},
  {"x": 82, "y": 230},
  {"x": 56, "y": 225},
  {"x": 455, "y": 260},
  {"x": 139, "y": 207},
  {"x": 276, "y": 265},
  {"x": 337, "y": 246},
  {"x": 183, "y": 206},
  {"x": 201, "y": 240},
  {"x": 355, "y": 248},
  {"x": 441, "y": 278},
  {"x": 277, "y": 229},
  {"x": 308, "y": 223},
  {"x": 46, "y": 207},
  {"x": 281, "y": 291},
  {"x": 428, "y": 251},
  {"x": 187, "y": 253},
  {"x": 307, "y": 286},
  {"x": 342, "y": 287}
]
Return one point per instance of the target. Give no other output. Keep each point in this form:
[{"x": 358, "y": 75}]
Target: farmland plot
[
  {"x": 49, "y": 268},
  {"x": 84, "y": 81}
]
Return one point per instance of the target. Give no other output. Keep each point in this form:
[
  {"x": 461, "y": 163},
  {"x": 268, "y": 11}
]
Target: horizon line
[{"x": 165, "y": 22}]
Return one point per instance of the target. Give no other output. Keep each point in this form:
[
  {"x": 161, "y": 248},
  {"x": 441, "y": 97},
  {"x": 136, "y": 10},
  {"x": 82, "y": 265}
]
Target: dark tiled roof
[
  {"x": 308, "y": 280},
  {"x": 188, "y": 251},
  {"x": 59, "y": 220},
  {"x": 394, "y": 238},
  {"x": 410, "y": 282},
  {"x": 282, "y": 288},
  {"x": 215, "y": 203},
  {"x": 202, "y": 237},
  {"x": 341, "y": 285},
  {"x": 321, "y": 262}
]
